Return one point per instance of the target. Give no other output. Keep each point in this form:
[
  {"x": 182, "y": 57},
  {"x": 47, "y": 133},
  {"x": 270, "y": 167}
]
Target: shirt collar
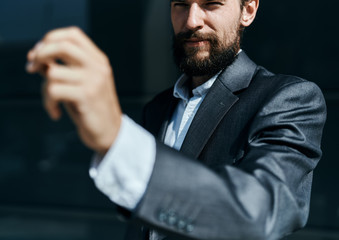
[{"x": 181, "y": 88}]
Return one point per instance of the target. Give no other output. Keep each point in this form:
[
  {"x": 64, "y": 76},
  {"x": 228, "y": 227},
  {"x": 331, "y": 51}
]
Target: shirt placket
[{"x": 186, "y": 120}]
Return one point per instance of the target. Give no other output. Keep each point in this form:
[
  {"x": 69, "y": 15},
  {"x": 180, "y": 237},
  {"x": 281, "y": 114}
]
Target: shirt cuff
[{"x": 124, "y": 172}]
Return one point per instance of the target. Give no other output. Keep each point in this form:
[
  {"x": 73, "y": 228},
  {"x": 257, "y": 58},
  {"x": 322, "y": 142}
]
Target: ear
[{"x": 249, "y": 12}]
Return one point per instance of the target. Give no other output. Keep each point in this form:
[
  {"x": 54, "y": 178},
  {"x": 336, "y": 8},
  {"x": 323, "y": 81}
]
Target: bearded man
[{"x": 228, "y": 153}]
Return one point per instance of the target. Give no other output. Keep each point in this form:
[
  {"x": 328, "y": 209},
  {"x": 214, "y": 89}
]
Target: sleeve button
[
  {"x": 162, "y": 216},
  {"x": 172, "y": 219},
  {"x": 181, "y": 224},
  {"x": 190, "y": 227}
]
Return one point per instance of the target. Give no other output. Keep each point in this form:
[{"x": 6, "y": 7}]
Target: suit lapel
[
  {"x": 219, "y": 100},
  {"x": 210, "y": 113}
]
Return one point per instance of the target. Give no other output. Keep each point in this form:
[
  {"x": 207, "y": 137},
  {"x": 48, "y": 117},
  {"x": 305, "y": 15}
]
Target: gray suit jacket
[{"x": 245, "y": 168}]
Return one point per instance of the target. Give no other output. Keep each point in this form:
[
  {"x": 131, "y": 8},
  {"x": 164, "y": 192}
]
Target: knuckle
[
  {"x": 105, "y": 67},
  {"x": 102, "y": 81},
  {"x": 107, "y": 72},
  {"x": 106, "y": 61},
  {"x": 75, "y": 31},
  {"x": 71, "y": 32},
  {"x": 51, "y": 35}
]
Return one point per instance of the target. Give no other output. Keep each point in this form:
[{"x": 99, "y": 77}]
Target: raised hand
[{"x": 78, "y": 74}]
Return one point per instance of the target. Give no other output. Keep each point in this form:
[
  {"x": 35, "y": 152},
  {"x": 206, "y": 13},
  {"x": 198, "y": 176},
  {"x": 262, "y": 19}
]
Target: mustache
[{"x": 184, "y": 36}]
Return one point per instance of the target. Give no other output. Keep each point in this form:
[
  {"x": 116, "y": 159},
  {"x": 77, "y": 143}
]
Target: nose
[{"x": 195, "y": 18}]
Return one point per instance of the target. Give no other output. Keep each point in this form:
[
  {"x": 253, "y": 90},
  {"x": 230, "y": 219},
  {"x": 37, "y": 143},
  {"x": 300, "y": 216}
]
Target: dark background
[{"x": 45, "y": 190}]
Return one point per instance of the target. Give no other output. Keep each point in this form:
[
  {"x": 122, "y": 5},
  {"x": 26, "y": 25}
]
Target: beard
[{"x": 220, "y": 55}]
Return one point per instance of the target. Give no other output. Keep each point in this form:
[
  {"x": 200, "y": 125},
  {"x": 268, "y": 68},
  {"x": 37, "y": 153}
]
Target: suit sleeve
[{"x": 265, "y": 196}]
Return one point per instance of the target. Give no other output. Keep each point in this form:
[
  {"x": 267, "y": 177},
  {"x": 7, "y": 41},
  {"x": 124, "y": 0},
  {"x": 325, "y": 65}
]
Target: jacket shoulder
[
  {"x": 279, "y": 80},
  {"x": 157, "y": 110},
  {"x": 266, "y": 84}
]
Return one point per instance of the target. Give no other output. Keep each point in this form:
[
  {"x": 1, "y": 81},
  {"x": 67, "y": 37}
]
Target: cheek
[
  {"x": 176, "y": 22},
  {"x": 179, "y": 19},
  {"x": 224, "y": 22},
  {"x": 230, "y": 31}
]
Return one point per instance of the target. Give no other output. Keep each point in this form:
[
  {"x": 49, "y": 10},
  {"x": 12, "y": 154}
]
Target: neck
[{"x": 199, "y": 80}]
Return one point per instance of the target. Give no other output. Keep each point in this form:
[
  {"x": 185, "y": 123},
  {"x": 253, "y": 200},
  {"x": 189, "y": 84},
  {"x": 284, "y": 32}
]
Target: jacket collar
[
  {"x": 239, "y": 74},
  {"x": 183, "y": 91}
]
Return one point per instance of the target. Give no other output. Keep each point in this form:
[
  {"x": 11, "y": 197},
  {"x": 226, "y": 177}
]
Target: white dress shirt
[
  {"x": 124, "y": 172},
  {"x": 185, "y": 111}
]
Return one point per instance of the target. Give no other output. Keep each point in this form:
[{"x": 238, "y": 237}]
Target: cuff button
[
  {"x": 162, "y": 216},
  {"x": 189, "y": 228},
  {"x": 181, "y": 224},
  {"x": 172, "y": 219}
]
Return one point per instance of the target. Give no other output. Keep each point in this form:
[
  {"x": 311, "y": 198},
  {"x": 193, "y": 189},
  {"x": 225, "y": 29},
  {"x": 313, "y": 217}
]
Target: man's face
[{"x": 207, "y": 34}]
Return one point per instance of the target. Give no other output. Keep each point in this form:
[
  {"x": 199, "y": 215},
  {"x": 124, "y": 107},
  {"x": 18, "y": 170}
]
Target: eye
[{"x": 214, "y": 4}]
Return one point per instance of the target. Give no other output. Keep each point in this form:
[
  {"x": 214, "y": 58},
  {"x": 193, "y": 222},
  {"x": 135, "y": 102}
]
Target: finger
[
  {"x": 57, "y": 93},
  {"x": 67, "y": 52},
  {"x": 74, "y": 35},
  {"x": 63, "y": 93},
  {"x": 61, "y": 74},
  {"x": 31, "y": 53},
  {"x": 33, "y": 67},
  {"x": 52, "y": 107}
]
